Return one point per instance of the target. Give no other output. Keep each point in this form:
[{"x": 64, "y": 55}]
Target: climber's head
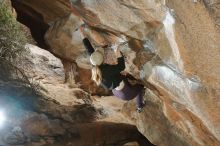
[{"x": 96, "y": 58}]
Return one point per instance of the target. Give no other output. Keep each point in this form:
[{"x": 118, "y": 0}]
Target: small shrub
[
  {"x": 12, "y": 39},
  {"x": 12, "y": 48}
]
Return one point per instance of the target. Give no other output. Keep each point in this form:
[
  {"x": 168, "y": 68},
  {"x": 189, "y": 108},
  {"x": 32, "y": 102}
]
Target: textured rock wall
[
  {"x": 38, "y": 14},
  {"x": 60, "y": 115},
  {"x": 172, "y": 46},
  {"x": 180, "y": 41}
]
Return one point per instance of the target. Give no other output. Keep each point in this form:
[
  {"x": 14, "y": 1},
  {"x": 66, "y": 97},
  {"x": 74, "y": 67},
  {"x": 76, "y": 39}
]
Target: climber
[{"x": 110, "y": 77}]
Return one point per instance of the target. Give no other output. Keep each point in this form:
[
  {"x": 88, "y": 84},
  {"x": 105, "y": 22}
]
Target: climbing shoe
[{"x": 139, "y": 109}]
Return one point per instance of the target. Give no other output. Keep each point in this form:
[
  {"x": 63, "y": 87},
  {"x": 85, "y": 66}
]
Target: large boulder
[
  {"x": 64, "y": 39},
  {"x": 130, "y": 17},
  {"x": 38, "y": 14},
  {"x": 177, "y": 60},
  {"x": 171, "y": 46}
]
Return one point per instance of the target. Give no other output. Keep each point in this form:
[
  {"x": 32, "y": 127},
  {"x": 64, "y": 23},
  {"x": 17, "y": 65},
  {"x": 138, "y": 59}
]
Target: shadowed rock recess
[{"x": 171, "y": 46}]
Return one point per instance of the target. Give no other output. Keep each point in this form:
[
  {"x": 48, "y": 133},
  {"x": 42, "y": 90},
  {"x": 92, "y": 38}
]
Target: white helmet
[{"x": 96, "y": 58}]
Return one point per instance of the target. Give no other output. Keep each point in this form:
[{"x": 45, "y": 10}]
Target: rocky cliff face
[
  {"x": 171, "y": 46},
  {"x": 60, "y": 115}
]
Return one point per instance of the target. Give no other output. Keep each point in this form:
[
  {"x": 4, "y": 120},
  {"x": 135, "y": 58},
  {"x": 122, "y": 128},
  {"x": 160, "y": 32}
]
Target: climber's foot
[{"x": 140, "y": 109}]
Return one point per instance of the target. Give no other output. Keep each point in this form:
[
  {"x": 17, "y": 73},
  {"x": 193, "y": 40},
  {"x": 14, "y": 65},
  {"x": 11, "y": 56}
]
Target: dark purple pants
[{"x": 130, "y": 92}]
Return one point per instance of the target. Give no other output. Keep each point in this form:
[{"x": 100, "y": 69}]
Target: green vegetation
[
  {"x": 12, "y": 39},
  {"x": 12, "y": 48}
]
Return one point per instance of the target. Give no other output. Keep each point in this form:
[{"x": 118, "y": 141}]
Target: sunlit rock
[
  {"x": 43, "y": 67},
  {"x": 128, "y": 19},
  {"x": 172, "y": 47},
  {"x": 47, "y": 71},
  {"x": 64, "y": 39}
]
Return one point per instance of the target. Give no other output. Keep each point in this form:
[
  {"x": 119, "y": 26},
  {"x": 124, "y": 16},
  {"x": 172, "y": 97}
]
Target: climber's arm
[
  {"x": 86, "y": 41},
  {"x": 121, "y": 63},
  {"x": 88, "y": 46}
]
